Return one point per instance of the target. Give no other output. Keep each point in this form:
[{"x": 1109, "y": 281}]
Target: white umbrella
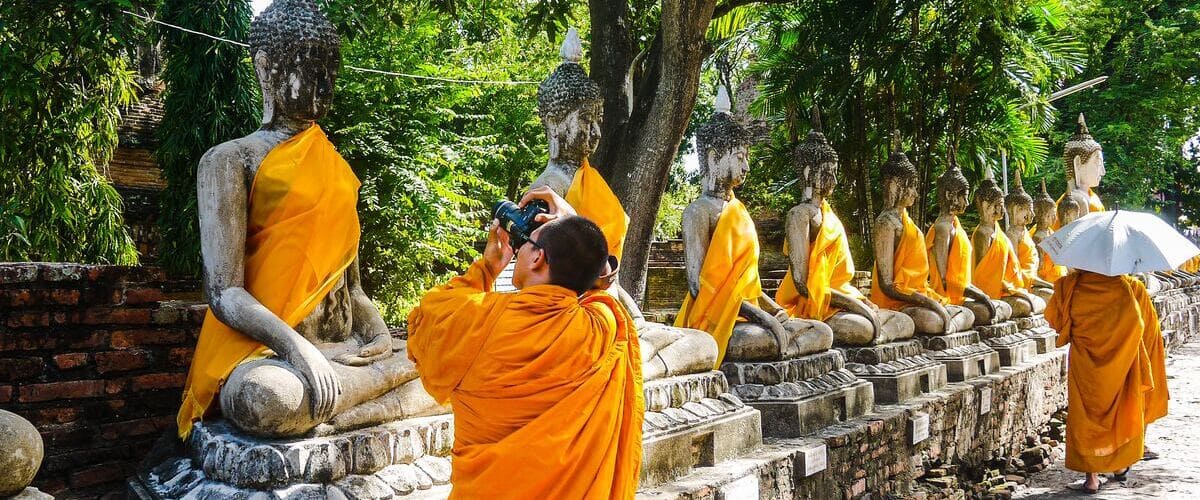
[{"x": 1119, "y": 242}]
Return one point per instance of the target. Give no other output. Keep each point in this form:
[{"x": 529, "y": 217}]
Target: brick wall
[{"x": 95, "y": 357}]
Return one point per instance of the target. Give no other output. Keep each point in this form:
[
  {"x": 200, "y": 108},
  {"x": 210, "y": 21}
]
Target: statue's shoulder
[
  {"x": 803, "y": 212},
  {"x": 943, "y": 224},
  {"x": 242, "y": 152},
  {"x": 889, "y": 219},
  {"x": 704, "y": 209}
]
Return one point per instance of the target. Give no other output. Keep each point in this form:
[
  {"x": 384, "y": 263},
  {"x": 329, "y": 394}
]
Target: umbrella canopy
[{"x": 1119, "y": 242}]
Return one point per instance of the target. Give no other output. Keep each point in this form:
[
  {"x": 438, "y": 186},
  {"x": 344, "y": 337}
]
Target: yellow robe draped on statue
[
  {"x": 728, "y": 276},
  {"x": 1027, "y": 259},
  {"x": 910, "y": 269},
  {"x": 1094, "y": 205},
  {"x": 592, "y": 198},
  {"x": 1047, "y": 269},
  {"x": 830, "y": 267},
  {"x": 958, "y": 265},
  {"x": 546, "y": 388},
  {"x": 302, "y": 233},
  {"x": 1108, "y": 373},
  {"x": 998, "y": 272}
]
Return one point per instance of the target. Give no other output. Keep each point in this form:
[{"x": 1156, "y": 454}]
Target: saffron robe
[
  {"x": 998, "y": 272},
  {"x": 830, "y": 267},
  {"x": 302, "y": 233},
  {"x": 1047, "y": 269},
  {"x": 958, "y": 265},
  {"x": 1156, "y": 352},
  {"x": 1108, "y": 373},
  {"x": 1027, "y": 259},
  {"x": 546, "y": 388},
  {"x": 728, "y": 276},
  {"x": 910, "y": 268},
  {"x": 592, "y": 198}
]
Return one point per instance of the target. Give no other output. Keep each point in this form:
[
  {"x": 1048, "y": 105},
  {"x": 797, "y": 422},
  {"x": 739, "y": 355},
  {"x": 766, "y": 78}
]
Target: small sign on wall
[
  {"x": 814, "y": 458},
  {"x": 985, "y": 400},
  {"x": 918, "y": 427}
]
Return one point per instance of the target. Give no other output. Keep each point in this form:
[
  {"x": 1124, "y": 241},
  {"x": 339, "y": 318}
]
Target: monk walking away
[
  {"x": 545, "y": 383},
  {"x": 1113, "y": 386}
]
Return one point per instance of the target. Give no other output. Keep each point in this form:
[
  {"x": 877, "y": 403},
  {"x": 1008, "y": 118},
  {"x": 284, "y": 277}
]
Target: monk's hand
[
  {"x": 558, "y": 206},
  {"x": 378, "y": 348},
  {"x": 324, "y": 384},
  {"x": 498, "y": 252}
]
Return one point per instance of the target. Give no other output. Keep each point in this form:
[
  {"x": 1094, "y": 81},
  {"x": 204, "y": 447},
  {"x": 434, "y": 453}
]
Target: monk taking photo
[{"x": 545, "y": 383}]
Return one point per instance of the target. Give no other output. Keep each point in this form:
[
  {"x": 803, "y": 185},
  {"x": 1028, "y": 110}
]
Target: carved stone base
[
  {"x": 964, "y": 355},
  {"x": 31, "y": 493},
  {"x": 802, "y": 395},
  {"x": 1013, "y": 347},
  {"x": 899, "y": 370},
  {"x": 693, "y": 421},
  {"x": 1038, "y": 330},
  {"x": 394, "y": 459}
]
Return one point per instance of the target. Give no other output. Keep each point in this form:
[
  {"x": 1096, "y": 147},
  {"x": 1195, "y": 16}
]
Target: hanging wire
[{"x": 353, "y": 68}]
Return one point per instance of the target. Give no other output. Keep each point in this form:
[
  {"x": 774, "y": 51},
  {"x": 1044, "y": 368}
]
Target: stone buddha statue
[
  {"x": 1083, "y": 164},
  {"x": 997, "y": 270},
  {"x": 1045, "y": 218},
  {"x": 817, "y": 285},
  {"x": 1020, "y": 213},
  {"x": 950, "y": 252},
  {"x": 900, "y": 281},
  {"x": 725, "y": 297},
  {"x": 571, "y": 107},
  {"x": 291, "y": 344}
]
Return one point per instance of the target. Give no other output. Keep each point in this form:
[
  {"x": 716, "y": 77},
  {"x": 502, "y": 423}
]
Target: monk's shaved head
[{"x": 576, "y": 252}]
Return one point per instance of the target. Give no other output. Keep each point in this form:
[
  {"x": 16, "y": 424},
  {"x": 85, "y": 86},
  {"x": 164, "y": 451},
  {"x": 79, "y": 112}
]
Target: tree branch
[{"x": 727, "y": 7}]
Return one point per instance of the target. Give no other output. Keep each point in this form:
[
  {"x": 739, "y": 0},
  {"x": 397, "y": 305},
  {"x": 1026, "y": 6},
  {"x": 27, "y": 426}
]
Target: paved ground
[{"x": 1175, "y": 437}]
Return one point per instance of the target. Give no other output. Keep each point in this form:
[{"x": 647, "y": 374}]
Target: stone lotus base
[
  {"x": 899, "y": 370},
  {"x": 964, "y": 355},
  {"x": 1006, "y": 338},
  {"x": 394, "y": 459},
  {"x": 1036, "y": 328},
  {"x": 802, "y": 395},
  {"x": 693, "y": 421}
]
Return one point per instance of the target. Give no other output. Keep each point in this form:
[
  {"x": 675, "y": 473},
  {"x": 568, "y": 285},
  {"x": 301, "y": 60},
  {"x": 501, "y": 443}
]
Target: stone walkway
[{"x": 1175, "y": 437}]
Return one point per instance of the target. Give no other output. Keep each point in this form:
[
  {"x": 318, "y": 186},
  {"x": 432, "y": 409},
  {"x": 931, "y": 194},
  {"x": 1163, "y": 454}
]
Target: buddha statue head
[
  {"x": 953, "y": 190},
  {"x": 296, "y": 53},
  {"x": 899, "y": 178},
  {"x": 989, "y": 199},
  {"x": 570, "y": 106},
  {"x": 1018, "y": 203},
  {"x": 1044, "y": 209},
  {"x": 816, "y": 162},
  {"x": 724, "y": 145},
  {"x": 1083, "y": 159}
]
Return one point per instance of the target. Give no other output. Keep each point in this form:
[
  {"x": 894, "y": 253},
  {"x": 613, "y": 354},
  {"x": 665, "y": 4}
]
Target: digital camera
[{"x": 519, "y": 222}]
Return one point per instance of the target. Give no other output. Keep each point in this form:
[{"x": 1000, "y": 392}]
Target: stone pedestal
[
  {"x": 964, "y": 355},
  {"x": 1007, "y": 340},
  {"x": 394, "y": 459},
  {"x": 898, "y": 370},
  {"x": 693, "y": 421},
  {"x": 802, "y": 395},
  {"x": 1038, "y": 330}
]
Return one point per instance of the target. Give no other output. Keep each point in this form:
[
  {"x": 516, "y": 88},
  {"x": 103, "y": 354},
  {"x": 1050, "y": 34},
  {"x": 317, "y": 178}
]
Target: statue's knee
[
  {"x": 751, "y": 342},
  {"x": 1020, "y": 307},
  {"x": 851, "y": 329},
  {"x": 924, "y": 320},
  {"x": 266, "y": 398},
  {"x": 964, "y": 318}
]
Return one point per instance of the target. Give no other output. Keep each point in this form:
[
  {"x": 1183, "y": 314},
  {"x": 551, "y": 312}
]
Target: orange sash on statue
[
  {"x": 998, "y": 272},
  {"x": 546, "y": 388},
  {"x": 1094, "y": 205},
  {"x": 1108, "y": 373},
  {"x": 830, "y": 268},
  {"x": 910, "y": 269},
  {"x": 1047, "y": 269},
  {"x": 592, "y": 198},
  {"x": 1027, "y": 259},
  {"x": 301, "y": 234},
  {"x": 958, "y": 265},
  {"x": 728, "y": 276}
]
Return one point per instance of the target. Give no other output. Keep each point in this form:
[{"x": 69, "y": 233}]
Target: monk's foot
[
  {"x": 1149, "y": 455},
  {"x": 1091, "y": 485}
]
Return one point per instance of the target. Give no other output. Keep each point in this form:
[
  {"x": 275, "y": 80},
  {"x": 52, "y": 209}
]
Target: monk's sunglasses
[{"x": 537, "y": 245}]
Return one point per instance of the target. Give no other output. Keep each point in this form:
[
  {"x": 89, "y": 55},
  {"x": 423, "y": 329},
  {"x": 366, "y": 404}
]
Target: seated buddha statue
[
  {"x": 900, "y": 281},
  {"x": 570, "y": 107},
  {"x": 817, "y": 285},
  {"x": 1045, "y": 218},
  {"x": 1020, "y": 213},
  {"x": 291, "y": 345},
  {"x": 950, "y": 252},
  {"x": 1083, "y": 164},
  {"x": 997, "y": 271},
  {"x": 725, "y": 297}
]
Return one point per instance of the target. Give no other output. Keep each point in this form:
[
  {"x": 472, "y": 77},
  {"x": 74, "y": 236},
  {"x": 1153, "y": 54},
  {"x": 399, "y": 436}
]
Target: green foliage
[
  {"x": 211, "y": 97},
  {"x": 63, "y": 82}
]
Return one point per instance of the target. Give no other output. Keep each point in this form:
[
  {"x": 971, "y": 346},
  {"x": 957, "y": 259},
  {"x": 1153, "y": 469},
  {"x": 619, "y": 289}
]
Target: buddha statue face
[
  {"x": 570, "y": 106},
  {"x": 724, "y": 147},
  {"x": 1021, "y": 214},
  {"x": 1089, "y": 171},
  {"x": 1083, "y": 157},
  {"x": 574, "y": 136},
  {"x": 1044, "y": 209},
  {"x": 953, "y": 191},
  {"x": 1019, "y": 204},
  {"x": 726, "y": 169},
  {"x": 817, "y": 164},
  {"x": 296, "y": 53},
  {"x": 899, "y": 178},
  {"x": 989, "y": 200}
]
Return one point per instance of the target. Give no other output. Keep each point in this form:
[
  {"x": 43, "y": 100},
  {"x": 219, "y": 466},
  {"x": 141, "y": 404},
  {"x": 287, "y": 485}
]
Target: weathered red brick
[
  {"x": 100, "y": 474},
  {"x": 169, "y": 315},
  {"x": 92, "y": 340},
  {"x": 155, "y": 381},
  {"x": 18, "y": 273},
  {"x": 179, "y": 357},
  {"x": 125, "y": 339},
  {"x": 137, "y": 296},
  {"x": 64, "y": 272},
  {"x": 61, "y": 390},
  {"x": 64, "y": 297},
  {"x": 71, "y": 361},
  {"x": 56, "y": 416},
  {"x": 116, "y": 316},
  {"x": 28, "y": 319},
  {"x": 116, "y": 386},
  {"x": 17, "y": 298},
  {"x": 137, "y": 427},
  {"x": 21, "y": 368},
  {"x": 6, "y": 392},
  {"x": 122, "y": 361}
]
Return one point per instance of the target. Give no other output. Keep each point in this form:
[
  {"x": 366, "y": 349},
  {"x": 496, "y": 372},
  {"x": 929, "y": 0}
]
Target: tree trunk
[{"x": 638, "y": 149}]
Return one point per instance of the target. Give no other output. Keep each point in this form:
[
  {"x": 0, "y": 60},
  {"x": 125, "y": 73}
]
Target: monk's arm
[
  {"x": 221, "y": 195},
  {"x": 798, "y": 223},
  {"x": 696, "y": 234}
]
